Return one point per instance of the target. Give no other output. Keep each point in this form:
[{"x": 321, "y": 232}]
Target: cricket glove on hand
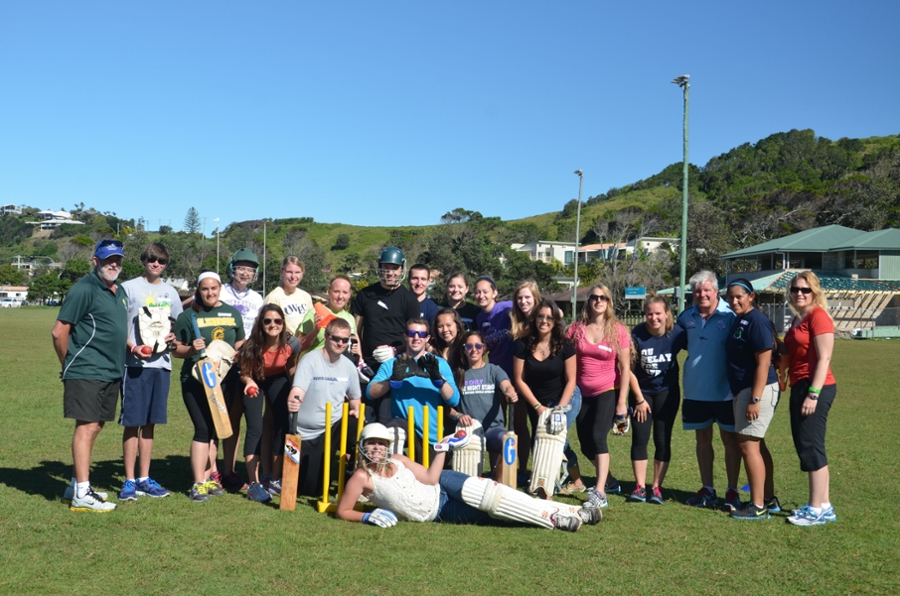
[
  {"x": 404, "y": 367},
  {"x": 557, "y": 421},
  {"x": 382, "y": 518},
  {"x": 384, "y": 353},
  {"x": 457, "y": 440},
  {"x": 431, "y": 367}
]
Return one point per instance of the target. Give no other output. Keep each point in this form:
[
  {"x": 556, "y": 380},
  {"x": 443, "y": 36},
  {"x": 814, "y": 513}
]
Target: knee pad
[
  {"x": 502, "y": 502},
  {"x": 548, "y": 470},
  {"x": 470, "y": 459}
]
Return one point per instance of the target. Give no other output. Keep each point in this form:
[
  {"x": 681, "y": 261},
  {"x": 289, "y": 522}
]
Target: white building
[
  {"x": 11, "y": 209},
  {"x": 50, "y": 220},
  {"x": 548, "y": 251}
]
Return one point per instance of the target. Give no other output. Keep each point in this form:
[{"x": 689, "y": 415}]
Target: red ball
[
  {"x": 252, "y": 391},
  {"x": 146, "y": 350}
]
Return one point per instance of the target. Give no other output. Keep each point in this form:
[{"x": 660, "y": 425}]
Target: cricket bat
[
  {"x": 206, "y": 370},
  {"x": 509, "y": 464},
  {"x": 290, "y": 471}
]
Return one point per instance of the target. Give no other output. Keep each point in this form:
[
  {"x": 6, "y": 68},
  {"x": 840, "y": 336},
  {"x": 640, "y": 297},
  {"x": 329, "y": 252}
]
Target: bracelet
[
  {"x": 133, "y": 348},
  {"x": 537, "y": 406},
  {"x": 642, "y": 402},
  {"x": 814, "y": 391}
]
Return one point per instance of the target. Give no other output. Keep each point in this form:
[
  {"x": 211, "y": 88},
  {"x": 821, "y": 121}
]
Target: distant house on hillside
[
  {"x": 548, "y": 251},
  {"x": 11, "y": 209},
  {"x": 50, "y": 220}
]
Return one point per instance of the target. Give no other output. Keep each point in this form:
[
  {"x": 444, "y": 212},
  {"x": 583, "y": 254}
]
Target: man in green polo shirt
[{"x": 90, "y": 338}]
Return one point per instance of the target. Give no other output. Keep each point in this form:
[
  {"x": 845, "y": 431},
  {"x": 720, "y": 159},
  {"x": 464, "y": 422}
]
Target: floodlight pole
[
  {"x": 580, "y": 175},
  {"x": 684, "y": 81},
  {"x": 217, "y": 245}
]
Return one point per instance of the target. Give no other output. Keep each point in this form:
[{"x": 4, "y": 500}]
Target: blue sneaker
[
  {"x": 258, "y": 493},
  {"x": 151, "y": 488},
  {"x": 595, "y": 499},
  {"x": 273, "y": 486},
  {"x": 703, "y": 498},
  {"x": 828, "y": 514},
  {"x": 129, "y": 491},
  {"x": 807, "y": 517},
  {"x": 612, "y": 485}
]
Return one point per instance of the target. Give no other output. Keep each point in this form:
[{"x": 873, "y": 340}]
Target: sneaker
[
  {"x": 656, "y": 497},
  {"x": 199, "y": 494},
  {"x": 70, "y": 492},
  {"x": 703, "y": 498},
  {"x": 129, "y": 491},
  {"x": 213, "y": 487},
  {"x": 233, "y": 482},
  {"x": 612, "y": 485},
  {"x": 273, "y": 486},
  {"x": 595, "y": 499},
  {"x": 807, "y": 517},
  {"x": 571, "y": 488},
  {"x": 732, "y": 501},
  {"x": 151, "y": 488},
  {"x": 91, "y": 501},
  {"x": 773, "y": 505},
  {"x": 258, "y": 493},
  {"x": 567, "y": 522},
  {"x": 751, "y": 511},
  {"x": 639, "y": 495},
  {"x": 591, "y": 515},
  {"x": 828, "y": 514}
]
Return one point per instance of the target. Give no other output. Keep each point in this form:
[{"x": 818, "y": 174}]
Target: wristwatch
[{"x": 755, "y": 400}]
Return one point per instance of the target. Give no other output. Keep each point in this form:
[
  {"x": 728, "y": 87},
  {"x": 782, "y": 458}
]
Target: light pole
[
  {"x": 217, "y": 245},
  {"x": 580, "y": 175},
  {"x": 684, "y": 81}
]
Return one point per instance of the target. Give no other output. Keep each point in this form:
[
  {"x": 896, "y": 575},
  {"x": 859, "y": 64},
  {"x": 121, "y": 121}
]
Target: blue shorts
[
  {"x": 145, "y": 396},
  {"x": 697, "y": 415}
]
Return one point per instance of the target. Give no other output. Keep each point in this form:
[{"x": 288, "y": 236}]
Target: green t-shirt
[
  {"x": 309, "y": 323},
  {"x": 99, "y": 335},
  {"x": 218, "y": 322}
]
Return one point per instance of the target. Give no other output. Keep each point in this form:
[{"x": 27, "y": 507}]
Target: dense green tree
[
  {"x": 11, "y": 276},
  {"x": 342, "y": 242}
]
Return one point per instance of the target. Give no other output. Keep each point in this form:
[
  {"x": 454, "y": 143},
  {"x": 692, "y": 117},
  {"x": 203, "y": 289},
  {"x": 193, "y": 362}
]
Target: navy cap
[{"x": 107, "y": 248}]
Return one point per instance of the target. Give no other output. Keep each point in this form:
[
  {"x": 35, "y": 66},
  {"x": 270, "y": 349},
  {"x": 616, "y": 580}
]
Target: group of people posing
[{"x": 492, "y": 362}]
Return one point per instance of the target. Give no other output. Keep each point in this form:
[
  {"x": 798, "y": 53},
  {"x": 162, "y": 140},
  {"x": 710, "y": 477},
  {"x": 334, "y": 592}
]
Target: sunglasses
[
  {"x": 422, "y": 334},
  {"x": 544, "y": 317},
  {"x": 804, "y": 291},
  {"x": 599, "y": 297},
  {"x": 270, "y": 321},
  {"x": 339, "y": 340},
  {"x": 470, "y": 347},
  {"x": 158, "y": 260}
]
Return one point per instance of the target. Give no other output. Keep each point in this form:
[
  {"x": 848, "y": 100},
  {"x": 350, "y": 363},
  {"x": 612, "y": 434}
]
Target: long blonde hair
[
  {"x": 818, "y": 296},
  {"x": 610, "y": 323},
  {"x": 519, "y": 322}
]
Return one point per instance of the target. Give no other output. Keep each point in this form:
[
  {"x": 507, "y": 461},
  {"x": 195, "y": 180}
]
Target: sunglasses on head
[
  {"x": 339, "y": 340},
  {"x": 804, "y": 291},
  {"x": 270, "y": 321},
  {"x": 158, "y": 260},
  {"x": 600, "y": 297},
  {"x": 470, "y": 347},
  {"x": 413, "y": 333}
]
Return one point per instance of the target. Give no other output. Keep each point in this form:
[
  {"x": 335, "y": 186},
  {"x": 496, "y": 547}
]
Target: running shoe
[
  {"x": 91, "y": 501},
  {"x": 151, "y": 488},
  {"x": 751, "y": 511},
  {"x": 572, "y": 489},
  {"x": 233, "y": 482},
  {"x": 567, "y": 522},
  {"x": 595, "y": 499},
  {"x": 273, "y": 486},
  {"x": 129, "y": 491},
  {"x": 703, "y": 498},
  {"x": 70, "y": 492},
  {"x": 591, "y": 515},
  {"x": 612, "y": 485},
  {"x": 639, "y": 495},
  {"x": 827, "y": 514},
  {"x": 807, "y": 517},
  {"x": 199, "y": 494},
  {"x": 732, "y": 501},
  {"x": 258, "y": 493},
  {"x": 656, "y": 498},
  {"x": 213, "y": 487},
  {"x": 773, "y": 505}
]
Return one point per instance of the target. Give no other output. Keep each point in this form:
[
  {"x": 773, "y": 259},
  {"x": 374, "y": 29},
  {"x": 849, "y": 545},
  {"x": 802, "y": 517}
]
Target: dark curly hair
[
  {"x": 557, "y": 333},
  {"x": 253, "y": 352}
]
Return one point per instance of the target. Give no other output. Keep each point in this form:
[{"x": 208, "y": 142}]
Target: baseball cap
[{"x": 107, "y": 248}]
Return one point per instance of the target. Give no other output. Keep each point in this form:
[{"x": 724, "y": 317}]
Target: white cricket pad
[
  {"x": 547, "y": 460},
  {"x": 470, "y": 459},
  {"x": 502, "y": 502},
  {"x": 398, "y": 441}
]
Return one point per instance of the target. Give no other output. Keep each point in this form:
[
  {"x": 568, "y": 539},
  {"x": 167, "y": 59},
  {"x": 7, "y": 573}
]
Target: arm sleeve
[
  {"x": 353, "y": 391},
  {"x": 820, "y": 323},
  {"x": 303, "y": 374},
  {"x": 499, "y": 374},
  {"x": 76, "y": 304},
  {"x": 520, "y": 350},
  {"x": 183, "y": 329},
  {"x": 239, "y": 321}
]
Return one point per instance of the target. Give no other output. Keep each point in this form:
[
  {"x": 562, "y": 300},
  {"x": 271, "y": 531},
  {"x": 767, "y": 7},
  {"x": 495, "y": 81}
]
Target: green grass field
[{"x": 233, "y": 546}]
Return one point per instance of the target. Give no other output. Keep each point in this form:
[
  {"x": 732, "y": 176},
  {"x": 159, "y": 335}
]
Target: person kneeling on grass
[{"x": 404, "y": 489}]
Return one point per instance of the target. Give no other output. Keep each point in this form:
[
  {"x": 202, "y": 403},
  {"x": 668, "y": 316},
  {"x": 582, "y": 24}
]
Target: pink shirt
[{"x": 598, "y": 369}]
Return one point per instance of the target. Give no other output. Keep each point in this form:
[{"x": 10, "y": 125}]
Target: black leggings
[
  {"x": 663, "y": 411},
  {"x": 276, "y": 390},
  {"x": 198, "y": 409},
  {"x": 594, "y": 422}
]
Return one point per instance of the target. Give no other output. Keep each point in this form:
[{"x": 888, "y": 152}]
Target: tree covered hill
[{"x": 780, "y": 185}]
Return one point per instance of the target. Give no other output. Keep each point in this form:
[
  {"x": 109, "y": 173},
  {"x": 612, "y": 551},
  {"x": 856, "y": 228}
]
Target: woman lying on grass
[{"x": 403, "y": 489}]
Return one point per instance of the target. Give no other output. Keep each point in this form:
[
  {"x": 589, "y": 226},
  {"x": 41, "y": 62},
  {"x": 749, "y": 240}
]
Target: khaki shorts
[{"x": 757, "y": 428}]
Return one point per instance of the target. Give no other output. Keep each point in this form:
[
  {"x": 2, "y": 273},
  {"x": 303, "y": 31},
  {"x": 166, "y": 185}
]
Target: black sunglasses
[
  {"x": 600, "y": 297},
  {"x": 270, "y": 321},
  {"x": 339, "y": 340},
  {"x": 158, "y": 260},
  {"x": 412, "y": 333},
  {"x": 804, "y": 291}
]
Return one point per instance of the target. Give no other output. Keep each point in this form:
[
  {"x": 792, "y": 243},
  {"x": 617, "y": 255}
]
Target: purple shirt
[{"x": 494, "y": 326}]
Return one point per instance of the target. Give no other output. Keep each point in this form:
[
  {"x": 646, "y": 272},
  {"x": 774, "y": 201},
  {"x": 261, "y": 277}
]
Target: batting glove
[
  {"x": 384, "y": 353},
  {"x": 557, "y": 421},
  {"x": 383, "y": 518},
  {"x": 457, "y": 440},
  {"x": 430, "y": 365}
]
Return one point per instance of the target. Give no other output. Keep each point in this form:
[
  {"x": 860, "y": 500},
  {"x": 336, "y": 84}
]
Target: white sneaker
[
  {"x": 91, "y": 501},
  {"x": 70, "y": 492},
  {"x": 567, "y": 522}
]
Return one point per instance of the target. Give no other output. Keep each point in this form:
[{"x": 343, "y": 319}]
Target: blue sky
[{"x": 393, "y": 113}]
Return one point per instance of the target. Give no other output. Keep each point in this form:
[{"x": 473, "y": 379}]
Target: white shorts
[{"x": 768, "y": 401}]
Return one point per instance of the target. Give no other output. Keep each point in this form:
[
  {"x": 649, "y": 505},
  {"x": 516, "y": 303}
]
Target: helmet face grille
[{"x": 392, "y": 256}]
